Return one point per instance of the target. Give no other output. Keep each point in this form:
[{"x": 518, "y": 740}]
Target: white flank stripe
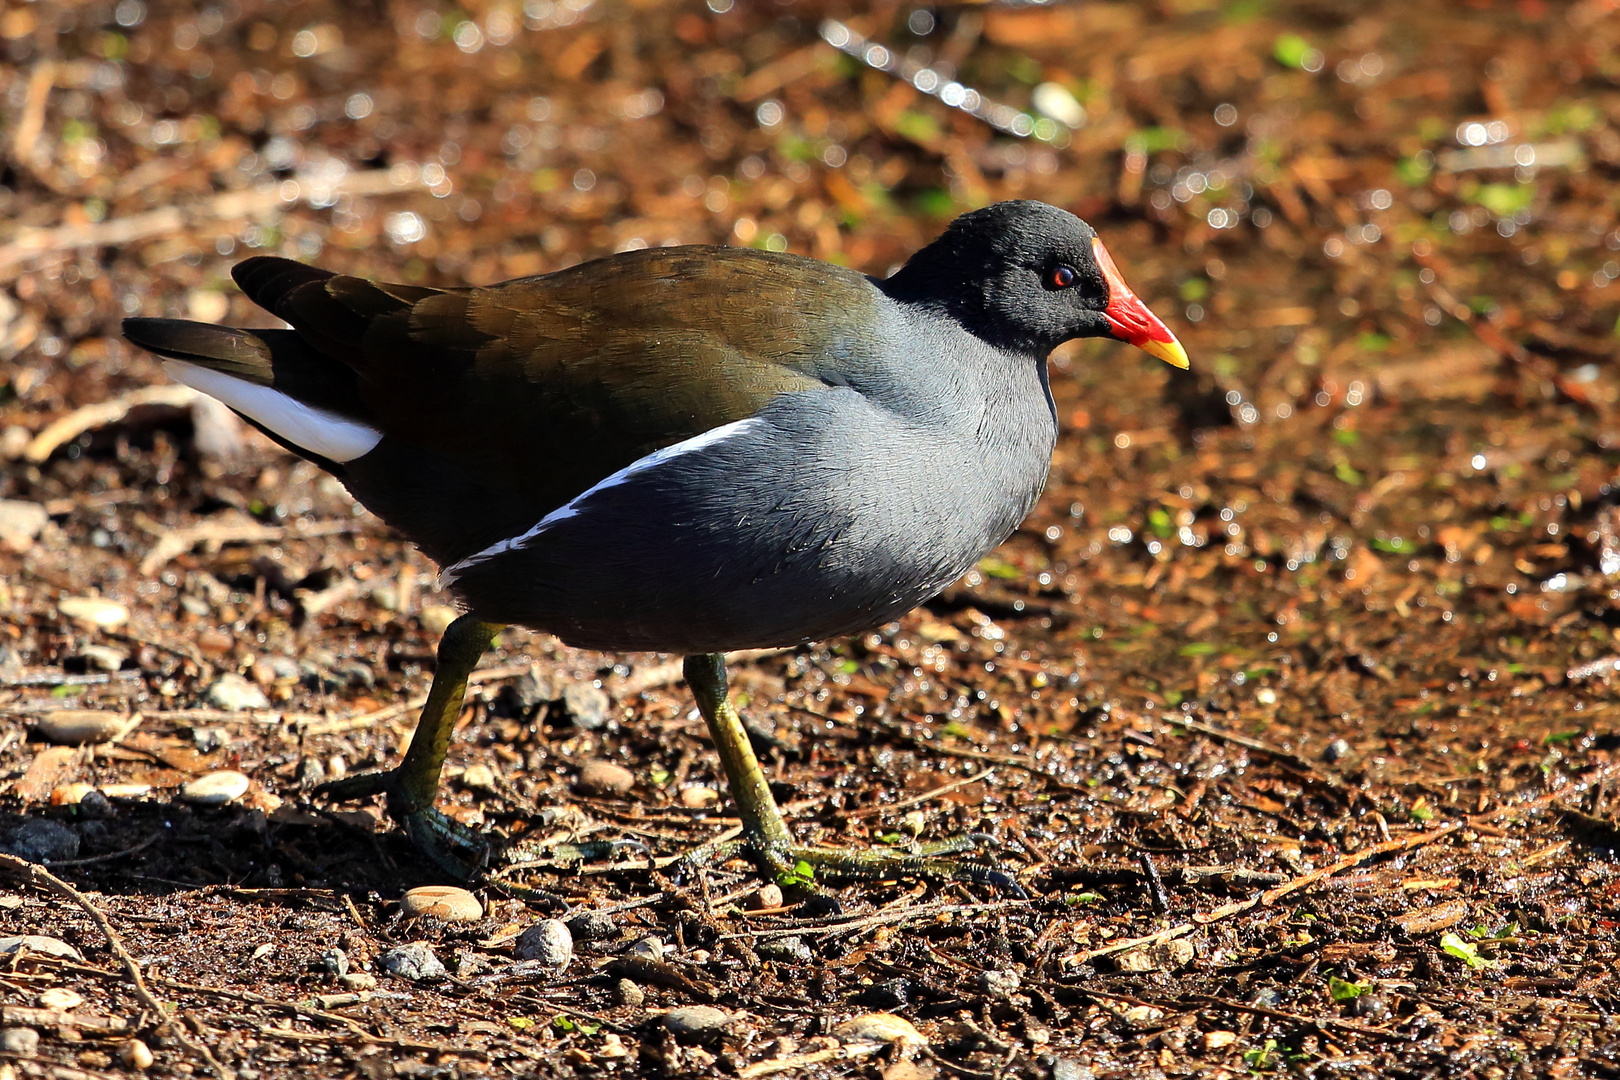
[
  {"x": 571, "y": 507},
  {"x": 316, "y": 430}
]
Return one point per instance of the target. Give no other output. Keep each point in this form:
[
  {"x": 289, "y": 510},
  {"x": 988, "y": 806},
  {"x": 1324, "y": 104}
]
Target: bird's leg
[
  {"x": 767, "y": 835},
  {"x": 412, "y": 785}
]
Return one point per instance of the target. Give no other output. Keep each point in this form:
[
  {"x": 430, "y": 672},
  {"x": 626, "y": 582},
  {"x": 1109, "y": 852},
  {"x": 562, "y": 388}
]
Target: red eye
[{"x": 1061, "y": 277}]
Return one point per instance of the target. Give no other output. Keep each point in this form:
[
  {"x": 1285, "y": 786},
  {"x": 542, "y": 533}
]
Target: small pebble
[
  {"x": 1337, "y": 750},
  {"x": 879, "y": 1027},
  {"x": 587, "y": 705},
  {"x": 234, "y": 693},
  {"x": 478, "y": 778},
  {"x": 630, "y": 994},
  {"x": 81, "y": 727},
  {"x": 273, "y": 670},
  {"x": 768, "y": 895},
  {"x": 692, "y": 1021},
  {"x": 39, "y": 943},
  {"x": 94, "y": 806},
  {"x": 20, "y": 522},
  {"x": 335, "y": 962},
  {"x": 215, "y": 788},
  {"x": 59, "y": 997},
  {"x": 41, "y": 840},
  {"x": 414, "y": 962},
  {"x": 209, "y": 739},
  {"x": 358, "y": 981},
  {"x": 1166, "y": 956},
  {"x": 548, "y": 941},
  {"x": 1143, "y": 1015},
  {"x": 445, "y": 902},
  {"x": 604, "y": 778},
  {"x": 590, "y": 926},
  {"x": 436, "y": 618},
  {"x": 22, "y": 1041},
  {"x": 785, "y": 950},
  {"x": 1219, "y": 1040},
  {"x": 647, "y": 948},
  {"x": 102, "y": 657},
  {"x": 135, "y": 1055},
  {"x": 1070, "y": 1069},
  {"x": 886, "y": 996},
  {"x": 94, "y": 611},
  {"x": 14, "y": 440},
  {"x": 699, "y": 796},
  {"x": 1001, "y": 983}
]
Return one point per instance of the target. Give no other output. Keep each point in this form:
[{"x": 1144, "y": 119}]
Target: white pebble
[{"x": 215, "y": 788}]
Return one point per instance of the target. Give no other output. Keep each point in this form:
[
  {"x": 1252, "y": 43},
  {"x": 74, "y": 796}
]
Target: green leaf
[
  {"x": 1504, "y": 200},
  {"x": 1414, "y": 170},
  {"x": 1291, "y": 50},
  {"x": 1395, "y": 545},
  {"x": 995, "y": 568},
  {"x": 1342, "y": 990},
  {"x": 1197, "y": 648},
  {"x": 1076, "y": 899},
  {"x": 802, "y": 875},
  {"x": 957, "y": 730},
  {"x": 1466, "y": 951}
]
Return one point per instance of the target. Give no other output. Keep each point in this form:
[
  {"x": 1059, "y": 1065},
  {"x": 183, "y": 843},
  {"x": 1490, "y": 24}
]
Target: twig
[
  {"x": 400, "y": 708},
  {"x": 1265, "y": 899},
  {"x": 25, "y": 137},
  {"x": 45, "y": 881},
  {"x": 34, "y": 243},
  {"x": 926, "y": 796},
  {"x": 174, "y": 542},
  {"x": 87, "y": 417},
  {"x": 1259, "y": 747},
  {"x": 853, "y": 923}
]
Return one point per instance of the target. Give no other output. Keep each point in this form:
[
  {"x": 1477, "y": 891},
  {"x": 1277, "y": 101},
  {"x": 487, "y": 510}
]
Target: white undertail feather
[{"x": 323, "y": 433}]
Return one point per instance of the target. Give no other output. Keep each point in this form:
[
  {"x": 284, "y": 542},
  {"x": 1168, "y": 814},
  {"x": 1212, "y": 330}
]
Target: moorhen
[{"x": 685, "y": 450}]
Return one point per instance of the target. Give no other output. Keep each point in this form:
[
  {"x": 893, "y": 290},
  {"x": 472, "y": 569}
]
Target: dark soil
[{"x": 1302, "y": 670}]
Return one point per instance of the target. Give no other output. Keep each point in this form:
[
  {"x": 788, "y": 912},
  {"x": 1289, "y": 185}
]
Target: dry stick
[
  {"x": 67, "y": 428},
  {"x": 1270, "y": 896},
  {"x": 173, "y": 542},
  {"x": 33, "y": 243},
  {"x": 400, "y": 708},
  {"x": 45, "y": 881},
  {"x": 927, "y": 796},
  {"x": 1259, "y": 747}
]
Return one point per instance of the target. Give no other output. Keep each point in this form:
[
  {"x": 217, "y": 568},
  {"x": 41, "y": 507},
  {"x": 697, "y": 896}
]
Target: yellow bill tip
[{"x": 1170, "y": 352}]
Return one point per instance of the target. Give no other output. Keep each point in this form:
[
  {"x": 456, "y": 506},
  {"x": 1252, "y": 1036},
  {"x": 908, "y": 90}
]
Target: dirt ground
[{"x": 1292, "y": 705}]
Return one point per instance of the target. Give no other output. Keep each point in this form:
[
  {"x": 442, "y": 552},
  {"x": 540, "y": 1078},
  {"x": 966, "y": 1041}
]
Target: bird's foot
[
  {"x": 455, "y": 848},
  {"x": 466, "y": 852},
  {"x": 805, "y": 866}
]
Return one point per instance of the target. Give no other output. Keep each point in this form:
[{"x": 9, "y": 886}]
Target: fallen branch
[
  {"x": 175, "y": 542},
  {"x": 88, "y": 417},
  {"x": 1267, "y": 898},
  {"x": 34, "y": 243},
  {"x": 47, "y": 882}
]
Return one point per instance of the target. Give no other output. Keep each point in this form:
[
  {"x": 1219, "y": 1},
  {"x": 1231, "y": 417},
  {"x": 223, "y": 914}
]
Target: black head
[{"x": 1027, "y": 277}]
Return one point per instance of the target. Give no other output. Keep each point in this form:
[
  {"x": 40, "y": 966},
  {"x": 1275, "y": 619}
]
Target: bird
[{"x": 691, "y": 450}]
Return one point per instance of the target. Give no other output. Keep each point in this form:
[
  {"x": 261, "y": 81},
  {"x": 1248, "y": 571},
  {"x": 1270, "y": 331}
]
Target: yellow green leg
[
  {"x": 413, "y": 784},
  {"x": 768, "y": 838}
]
